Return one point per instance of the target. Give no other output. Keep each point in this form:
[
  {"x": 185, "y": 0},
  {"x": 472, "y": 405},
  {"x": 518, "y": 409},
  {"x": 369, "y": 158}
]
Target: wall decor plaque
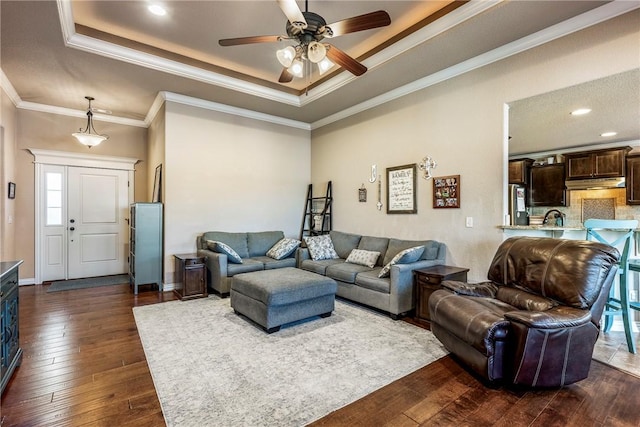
[
  {"x": 401, "y": 190},
  {"x": 446, "y": 191}
]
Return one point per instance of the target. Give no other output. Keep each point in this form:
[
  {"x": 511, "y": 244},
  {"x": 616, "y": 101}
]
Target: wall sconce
[{"x": 426, "y": 165}]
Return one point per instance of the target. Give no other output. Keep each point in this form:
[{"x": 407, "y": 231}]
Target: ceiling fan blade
[
  {"x": 249, "y": 40},
  {"x": 285, "y": 76},
  {"x": 345, "y": 61},
  {"x": 293, "y": 13},
  {"x": 367, "y": 21}
]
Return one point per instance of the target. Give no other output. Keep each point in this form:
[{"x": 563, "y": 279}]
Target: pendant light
[{"x": 89, "y": 136}]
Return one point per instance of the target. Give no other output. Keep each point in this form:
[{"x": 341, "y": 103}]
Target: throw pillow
[
  {"x": 223, "y": 248},
  {"x": 404, "y": 257},
  {"x": 362, "y": 257},
  {"x": 321, "y": 247},
  {"x": 283, "y": 248}
]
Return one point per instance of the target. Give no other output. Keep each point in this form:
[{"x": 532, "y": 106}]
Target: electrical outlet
[{"x": 469, "y": 222}]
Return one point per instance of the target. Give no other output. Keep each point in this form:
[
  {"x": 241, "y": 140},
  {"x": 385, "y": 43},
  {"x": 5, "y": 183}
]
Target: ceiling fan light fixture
[
  {"x": 316, "y": 52},
  {"x": 89, "y": 136},
  {"x": 297, "y": 68},
  {"x": 286, "y": 56},
  {"x": 325, "y": 65}
]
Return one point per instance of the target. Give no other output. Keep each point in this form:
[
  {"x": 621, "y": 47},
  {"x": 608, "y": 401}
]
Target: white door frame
[{"x": 63, "y": 158}]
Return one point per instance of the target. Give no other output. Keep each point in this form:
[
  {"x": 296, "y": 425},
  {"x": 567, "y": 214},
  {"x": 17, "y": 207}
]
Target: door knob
[
  {"x": 72, "y": 228},
  {"x": 72, "y": 221}
]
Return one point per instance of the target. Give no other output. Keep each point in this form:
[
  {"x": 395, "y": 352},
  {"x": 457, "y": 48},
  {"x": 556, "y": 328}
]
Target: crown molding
[
  {"x": 223, "y": 108},
  {"x": 8, "y": 88},
  {"x": 577, "y": 23},
  {"x": 142, "y": 59},
  {"x": 403, "y": 45}
]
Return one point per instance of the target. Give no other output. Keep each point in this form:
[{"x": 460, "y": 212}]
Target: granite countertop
[{"x": 541, "y": 227}]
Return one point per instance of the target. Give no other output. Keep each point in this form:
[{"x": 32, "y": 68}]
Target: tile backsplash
[{"x": 594, "y": 202}]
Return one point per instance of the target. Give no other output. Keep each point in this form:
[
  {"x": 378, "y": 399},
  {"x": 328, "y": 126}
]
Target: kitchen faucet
[{"x": 559, "y": 217}]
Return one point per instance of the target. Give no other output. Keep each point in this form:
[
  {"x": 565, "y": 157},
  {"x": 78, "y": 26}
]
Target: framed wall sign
[
  {"x": 11, "y": 193},
  {"x": 446, "y": 191},
  {"x": 401, "y": 190}
]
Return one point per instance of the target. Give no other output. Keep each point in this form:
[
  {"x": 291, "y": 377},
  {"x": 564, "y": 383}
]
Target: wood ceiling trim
[{"x": 172, "y": 56}]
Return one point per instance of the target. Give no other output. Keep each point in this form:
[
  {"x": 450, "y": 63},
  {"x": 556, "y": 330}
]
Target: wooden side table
[
  {"x": 428, "y": 280},
  {"x": 190, "y": 276}
]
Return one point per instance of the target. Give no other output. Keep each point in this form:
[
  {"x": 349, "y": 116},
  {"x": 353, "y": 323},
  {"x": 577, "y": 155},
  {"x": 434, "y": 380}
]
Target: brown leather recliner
[{"x": 536, "y": 321}]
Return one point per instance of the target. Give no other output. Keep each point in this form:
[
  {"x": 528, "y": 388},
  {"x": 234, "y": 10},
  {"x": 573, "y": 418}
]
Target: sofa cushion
[
  {"x": 320, "y": 266},
  {"x": 405, "y": 256},
  {"x": 320, "y": 247},
  {"x": 260, "y": 242},
  {"x": 397, "y": 245},
  {"x": 362, "y": 257},
  {"x": 370, "y": 280},
  {"x": 345, "y": 272},
  {"x": 283, "y": 248},
  {"x": 237, "y": 241},
  {"x": 247, "y": 266},
  {"x": 344, "y": 243},
  {"x": 223, "y": 248},
  {"x": 375, "y": 244},
  {"x": 270, "y": 263}
]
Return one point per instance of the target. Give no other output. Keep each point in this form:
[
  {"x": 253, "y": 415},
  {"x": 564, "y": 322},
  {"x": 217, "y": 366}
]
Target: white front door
[
  {"x": 82, "y": 205},
  {"x": 96, "y": 222}
]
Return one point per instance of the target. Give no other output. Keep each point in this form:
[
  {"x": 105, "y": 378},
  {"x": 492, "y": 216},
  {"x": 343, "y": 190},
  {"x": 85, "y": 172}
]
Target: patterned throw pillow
[
  {"x": 223, "y": 248},
  {"x": 321, "y": 247},
  {"x": 283, "y": 248},
  {"x": 404, "y": 257},
  {"x": 362, "y": 257}
]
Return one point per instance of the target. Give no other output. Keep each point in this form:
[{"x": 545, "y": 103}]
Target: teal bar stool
[{"x": 617, "y": 305}]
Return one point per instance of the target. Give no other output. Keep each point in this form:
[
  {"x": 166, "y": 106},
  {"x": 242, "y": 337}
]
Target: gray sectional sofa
[
  {"x": 252, "y": 247},
  {"x": 360, "y": 283}
]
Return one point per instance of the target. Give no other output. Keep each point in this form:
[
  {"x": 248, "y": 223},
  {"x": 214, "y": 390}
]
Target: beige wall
[
  {"x": 156, "y": 139},
  {"x": 230, "y": 173},
  {"x": 460, "y": 124},
  {"x": 8, "y": 121},
  {"x": 53, "y": 132}
]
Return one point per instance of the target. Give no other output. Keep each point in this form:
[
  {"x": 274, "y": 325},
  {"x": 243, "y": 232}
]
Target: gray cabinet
[
  {"x": 11, "y": 353},
  {"x": 145, "y": 245}
]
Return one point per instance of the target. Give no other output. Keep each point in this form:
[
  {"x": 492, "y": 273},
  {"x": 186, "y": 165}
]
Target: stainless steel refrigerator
[{"x": 517, "y": 205}]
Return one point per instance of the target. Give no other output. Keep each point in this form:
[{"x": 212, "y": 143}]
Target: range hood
[{"x": 595, "y": 183}]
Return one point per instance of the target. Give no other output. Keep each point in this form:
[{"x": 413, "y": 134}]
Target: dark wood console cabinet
[
  {"x": 427, "y": 280},
  {"x": 11, "y": 353},
  {"x": 190, "y": 276}
]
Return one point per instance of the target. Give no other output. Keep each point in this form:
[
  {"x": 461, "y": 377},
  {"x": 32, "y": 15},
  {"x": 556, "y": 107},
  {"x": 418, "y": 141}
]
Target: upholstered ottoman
[{"x": 272, "y": 298}]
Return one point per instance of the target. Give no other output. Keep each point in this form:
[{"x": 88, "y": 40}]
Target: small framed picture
[
  {"x": 157, "y": 185},
  {"x": 446, "y": 191},
  {"x": 12, "y": 190}
]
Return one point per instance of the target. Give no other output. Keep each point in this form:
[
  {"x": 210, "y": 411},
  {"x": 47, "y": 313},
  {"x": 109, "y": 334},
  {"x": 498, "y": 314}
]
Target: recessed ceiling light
[
  {"x": 581, "y": 111},
  {"x": 606, "y": 134},
  {"x": 157, "y": 10}
]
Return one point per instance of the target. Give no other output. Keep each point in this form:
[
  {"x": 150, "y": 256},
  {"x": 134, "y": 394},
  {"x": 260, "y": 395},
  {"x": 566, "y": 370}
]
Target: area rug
[
  {"x": 212, "y": 367},
  {"x": 92, "y": 282}
]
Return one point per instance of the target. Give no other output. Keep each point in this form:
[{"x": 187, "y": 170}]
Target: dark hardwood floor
[{"x": 84, "y": 365}]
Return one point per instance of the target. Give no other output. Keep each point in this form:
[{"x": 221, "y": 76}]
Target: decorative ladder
[{"x": 317, "y": 216}]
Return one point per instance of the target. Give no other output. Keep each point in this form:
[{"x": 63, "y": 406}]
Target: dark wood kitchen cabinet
[
  {"x": 546, "y": 185},
  {"x": 607, "y": 163},
  {"x": 519, "y": 171},
  {"x": 633, "y": 179}
]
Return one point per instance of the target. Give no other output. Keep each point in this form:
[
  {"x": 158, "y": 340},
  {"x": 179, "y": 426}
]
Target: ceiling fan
[{"x": 308, "y": 29}]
